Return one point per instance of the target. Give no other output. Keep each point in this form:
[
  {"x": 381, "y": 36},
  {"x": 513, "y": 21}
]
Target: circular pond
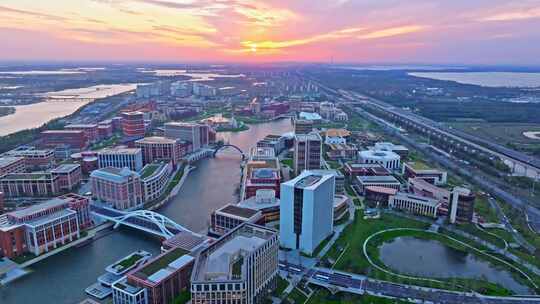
[{"x": 432, "y": 259}]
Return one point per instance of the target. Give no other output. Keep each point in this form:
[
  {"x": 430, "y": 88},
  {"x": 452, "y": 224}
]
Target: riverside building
[
  {"x": 121, "y": 157},
  {"x": 239, "y": 268},
  {"x": 120, "y": 188}
]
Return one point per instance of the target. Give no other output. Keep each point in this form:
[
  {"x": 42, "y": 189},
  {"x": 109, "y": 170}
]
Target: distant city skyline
[{"x": 364, "y": 31}]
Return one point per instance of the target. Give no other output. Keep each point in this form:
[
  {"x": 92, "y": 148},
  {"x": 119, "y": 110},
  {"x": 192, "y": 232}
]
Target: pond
[{"x": 429, "y": 258}]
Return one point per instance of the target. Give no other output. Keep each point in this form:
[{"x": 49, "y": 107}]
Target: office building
[
  {"x": 339, "y": 177},
  {"x": 69, "y": 176},
  {"x": 262, "y": 178},
  {"x": 163, "y": 149},
  {"x": 197, "y": 134},
  {"x": 387, "y": 159},
  {"x": 275, "y": 142},
  {"x": 39, "y": 184},
  {"x": 307, "y": 152},
  {"x": 159, "y": 281},
  {"x": 74, "y": 139},
  {"x": 90, "y": 130},
  {"x": 418, "y": 170},
  {"x": 11, "y": 164},
  {"x": 121, "y": 157},
  {"x": 34, "y": 158},
  {"x": 341, "y": 206},
  {"x": 231, "y": 216},
  {"x": 341, "y": 152},
  {"x": 121, "y": 188},
  {"x": 386, "y": 181},
  {"x": 41, "y": 227},
  {"x": 306, "y": 214},
  {"x": 154, "y": 180},
  {"x": 302, "y": 126},
  {"x": 415, "y": 204},
  {"x": 133, "y": 124},
  {"x": 239, "y": 268},
  {"x": 378, "y": 195}
]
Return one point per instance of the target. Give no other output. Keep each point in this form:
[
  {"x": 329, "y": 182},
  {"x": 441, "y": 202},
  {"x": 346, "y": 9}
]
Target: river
[{"x": 63, "y": 278}]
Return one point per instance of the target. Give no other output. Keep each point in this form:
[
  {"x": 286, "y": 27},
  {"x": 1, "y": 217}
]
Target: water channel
[
  {"x": 63, "y": 278},
  {"x": 428, "y": 258}
]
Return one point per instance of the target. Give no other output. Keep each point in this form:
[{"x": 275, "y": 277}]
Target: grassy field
[
  {"x": 296, "y": 296},
  {"x": 510, "y": 134},
  {"x": 483, "y": 208}
]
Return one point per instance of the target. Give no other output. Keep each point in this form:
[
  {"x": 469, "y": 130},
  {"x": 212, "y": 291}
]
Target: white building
[
  {"x": 335, "y": 140},
  {"x": 121, "y": 157},
  {"x": 387, "y": 159},
  {"x": 307, "y": 211},
  {"x": 195, "y": 133},
  {"x": 241, "y": 267},
  {"x": 415, "y": 204}
]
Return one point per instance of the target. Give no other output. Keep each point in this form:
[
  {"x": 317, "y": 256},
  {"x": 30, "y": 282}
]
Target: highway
[{"x": 359, "y": 284}]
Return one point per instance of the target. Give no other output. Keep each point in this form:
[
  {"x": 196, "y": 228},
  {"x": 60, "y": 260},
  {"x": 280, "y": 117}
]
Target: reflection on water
[
  {"x": 429, "y": 258},
  {"x": 488, "y": 79}
]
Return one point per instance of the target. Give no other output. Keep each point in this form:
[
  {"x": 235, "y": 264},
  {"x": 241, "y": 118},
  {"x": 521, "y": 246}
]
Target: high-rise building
[
  {"x": 133, "y": 124},
  {"x": 195, "y": 133},
  {"x": 120, "y": 188},
  {"x": 241, "y": 267},
  {"x": 307, "y": 152},
  {"x": 121, "y": 157},
  {"x": 306, "y": 214}
]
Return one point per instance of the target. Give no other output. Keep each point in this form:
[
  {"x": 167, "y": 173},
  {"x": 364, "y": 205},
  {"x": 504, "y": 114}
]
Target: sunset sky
[{"x": 363, "y": 31}]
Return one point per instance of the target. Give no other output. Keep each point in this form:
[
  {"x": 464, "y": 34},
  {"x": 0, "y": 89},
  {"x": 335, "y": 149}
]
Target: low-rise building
[
  {"x": 11, "y": 164},
  {"x": 75, "y": 139},
  {"x": 154, "y": 180},
  {"x": 262, "y": 178},
  {"x": 400, "y": 150},
  {"x": 90, "y": 130},
  {"x": 264, "y": 201},
  {"x": 386, "y": 181},
  {"x": 121, "y": 157},
  {"x": 302, "y": 126},
  {"x": 69, "y": 176},
  {"x": 34, "y": 158},
  {"x": 163, "y": 149},
  {"x": 418, "y": 170},
  {"x": 40, "y": 184},
  {"x": 240, "y": 267},
  {"x": 341, "y": 206},
  {"x": 159, "y": 281},
  {"x": 379, "y": 195},
  {"x": 341, "y": 152},
  {"x": 355, "y": 169},
  {"x": 121, "y": 188},
  {"x": 231, "y": 216},
  {"x": 414, "y": 204},
  {"x": 41, "y": 227},
  {"x": 421, "y": 187},
  {"x": 338, "y": 177},
  {"x": 275, "y": 142},
  {"x": 387, "y": 159}
]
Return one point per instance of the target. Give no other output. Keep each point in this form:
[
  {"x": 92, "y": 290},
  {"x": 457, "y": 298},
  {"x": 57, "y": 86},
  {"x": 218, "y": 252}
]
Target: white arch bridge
[{"x": 145, "y": 220}]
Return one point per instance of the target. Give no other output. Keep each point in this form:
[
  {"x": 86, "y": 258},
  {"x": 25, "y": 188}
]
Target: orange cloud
[
  {"x": 514, "y": 15},
  {"x": 393, "y": 31}
]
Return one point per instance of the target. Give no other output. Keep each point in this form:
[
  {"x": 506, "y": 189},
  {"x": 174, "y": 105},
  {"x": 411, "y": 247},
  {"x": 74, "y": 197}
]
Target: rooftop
[
  {"x": 377, "y": 179},
  {"x": 384, "y": 190},
  {"x": 80, "y": 126},
  {"x": 150, "y": 169},
  {"x": 168, "y": 261},
  {"x": 65, "y": 168},
  {"x": 338, "y": 133},
  {"x": 55, "y": 202},
  {"x": 309, "y": 116},
  {"x": 310, "y": 136},
  {"x": 235, "y": 210},
  {"x": 112, "y": 173},
  {"x": 156, "y": 140},
  {"x": 8, "y": 160},
  {"x": 27, "y": 176},
  {"x": 119, "y": 150}
]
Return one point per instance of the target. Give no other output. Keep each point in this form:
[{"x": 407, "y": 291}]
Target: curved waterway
[
  {"x": 63, "y": 278},
  {"x": 428, "y": 258}
]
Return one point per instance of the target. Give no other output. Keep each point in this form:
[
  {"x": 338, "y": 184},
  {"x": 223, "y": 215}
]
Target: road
[{"x": 358, "y": 284}]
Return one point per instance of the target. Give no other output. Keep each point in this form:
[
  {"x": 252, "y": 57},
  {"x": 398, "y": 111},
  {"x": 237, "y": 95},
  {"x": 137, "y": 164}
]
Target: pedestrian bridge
[
  {"x": 145, "y": 220},
  {"x": 223, "y": 147}
]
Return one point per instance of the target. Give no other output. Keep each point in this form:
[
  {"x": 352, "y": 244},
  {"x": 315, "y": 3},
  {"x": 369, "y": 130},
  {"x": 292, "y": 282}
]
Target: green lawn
[
  {"x": 483, "y": 208},
  {"x": 296, "y": 296},
  {"x": 356, "y": 233},
  {"x": 288, "y": 162}
]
